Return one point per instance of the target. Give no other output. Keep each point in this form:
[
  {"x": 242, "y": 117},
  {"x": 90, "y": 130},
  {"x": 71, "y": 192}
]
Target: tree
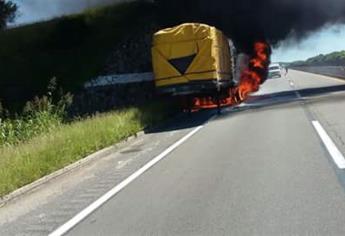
[{"x": 7, "y": 12}]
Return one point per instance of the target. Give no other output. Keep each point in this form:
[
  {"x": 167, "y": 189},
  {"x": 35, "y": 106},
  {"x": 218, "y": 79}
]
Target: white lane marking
[
  {"x": 293, "y": 85},
  {"x": 331, "y": 147},
  {"x": 102, "y": 200}
]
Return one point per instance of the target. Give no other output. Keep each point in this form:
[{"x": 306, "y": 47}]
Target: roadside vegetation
[
  {"x": 7, "y": 12},
  {"x": 41, "y": 142},
  {"x": 72, "y": 48},
  {"x": 331, "y": 59},
  {"x": 43, "y": 135},
  {"x": 41, "y": 115}
]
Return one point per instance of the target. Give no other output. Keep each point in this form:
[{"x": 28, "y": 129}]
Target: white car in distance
[{"x": 275, "y": 71}]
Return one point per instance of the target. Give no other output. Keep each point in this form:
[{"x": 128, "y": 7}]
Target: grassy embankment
[
  {"x": 63, "y": 144},
  {"x": 74, "y": 49}
]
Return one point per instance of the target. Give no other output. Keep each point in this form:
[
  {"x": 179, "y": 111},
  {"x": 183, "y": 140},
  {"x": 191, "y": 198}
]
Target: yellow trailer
[{"x": 192, "y": 58}]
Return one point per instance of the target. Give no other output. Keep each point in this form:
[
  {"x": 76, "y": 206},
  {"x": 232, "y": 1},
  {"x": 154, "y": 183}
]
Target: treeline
[{"x": 331, "y": 59}]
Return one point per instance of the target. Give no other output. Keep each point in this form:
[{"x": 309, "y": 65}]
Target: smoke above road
[
  {"x": 254, "y": 25},
  {"x": 247, "y": 21},
  {"x": 243, "y": 20}
]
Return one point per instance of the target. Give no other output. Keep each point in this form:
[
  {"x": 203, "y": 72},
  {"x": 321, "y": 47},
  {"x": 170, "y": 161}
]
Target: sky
[
  {"x": 328, "y": 39},
  {"x": 37, "y": 10}
]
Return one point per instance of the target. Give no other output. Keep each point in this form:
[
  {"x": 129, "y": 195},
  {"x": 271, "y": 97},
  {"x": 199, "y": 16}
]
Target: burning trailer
[{"x": 195, "y": 62}]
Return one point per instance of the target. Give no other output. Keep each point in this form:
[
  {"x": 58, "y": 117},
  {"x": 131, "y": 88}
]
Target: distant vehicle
[
  {"x": 275, "y": 71},
  {"x": 193, "y": 59}
]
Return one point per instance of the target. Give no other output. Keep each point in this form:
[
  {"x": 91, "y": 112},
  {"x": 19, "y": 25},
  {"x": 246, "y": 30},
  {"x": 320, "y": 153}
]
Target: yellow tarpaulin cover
[{"x": 190, "y": 52}]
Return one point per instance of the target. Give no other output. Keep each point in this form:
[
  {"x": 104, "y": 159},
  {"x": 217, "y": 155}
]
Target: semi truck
[{"x": 195, "y": 60}]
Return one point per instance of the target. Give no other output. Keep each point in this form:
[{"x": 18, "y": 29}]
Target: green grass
[
  {"x": 13, "y": 131},
  {"x": 73, "y": 48},
  {"x": 26, "y": 162},
  {"x": 40, "y": 115}
]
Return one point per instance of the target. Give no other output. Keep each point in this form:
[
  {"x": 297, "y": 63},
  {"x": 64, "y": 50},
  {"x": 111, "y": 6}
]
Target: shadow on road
[
  {"x": 309, "y": 92},
  {"x": 186, "y": 121},
  {"x": 183, "y": 121}
]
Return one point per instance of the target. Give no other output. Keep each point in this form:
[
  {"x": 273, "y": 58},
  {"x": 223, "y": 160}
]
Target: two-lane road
[
  {"x": 260, "y": 169},
  {"x": 263, "y": 171}
]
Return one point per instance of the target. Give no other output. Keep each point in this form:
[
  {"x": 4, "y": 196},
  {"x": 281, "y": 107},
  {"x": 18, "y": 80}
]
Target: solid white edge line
[
  {"x": 102, "y": 200},
  {"x": 331, "y": 147}
]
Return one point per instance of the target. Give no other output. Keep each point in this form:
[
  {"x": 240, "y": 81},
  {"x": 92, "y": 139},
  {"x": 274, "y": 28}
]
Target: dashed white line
[
  {"x": 331, "y": 147},
  {"x": 337, "y": 156},
  {"x": 293, "y": 85},
  {"x": 102, "y": 200}
]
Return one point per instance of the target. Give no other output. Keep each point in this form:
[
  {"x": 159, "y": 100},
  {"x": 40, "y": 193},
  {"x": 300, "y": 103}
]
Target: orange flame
[
  {"x": 256, "y": 73},
  {"x": 250, "y": 81}
]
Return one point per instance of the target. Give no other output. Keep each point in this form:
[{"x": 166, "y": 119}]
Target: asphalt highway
[{"x": 272, "y": 166}]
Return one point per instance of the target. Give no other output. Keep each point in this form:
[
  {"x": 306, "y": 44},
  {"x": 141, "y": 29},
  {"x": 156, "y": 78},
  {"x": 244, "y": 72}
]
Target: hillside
[
  {"x": 331, "y": 59},
  {"x": 73, "y": 49}
]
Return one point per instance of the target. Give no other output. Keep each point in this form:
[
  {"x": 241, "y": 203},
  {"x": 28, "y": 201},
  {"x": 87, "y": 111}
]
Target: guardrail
[
  {"x": 119, "y": 79},
  {"x": 334, "y": 71},
  {"x": 105, "y": 93}
]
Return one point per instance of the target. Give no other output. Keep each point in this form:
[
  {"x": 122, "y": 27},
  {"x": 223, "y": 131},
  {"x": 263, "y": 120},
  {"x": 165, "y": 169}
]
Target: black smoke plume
[{"x": 246, "y": 21}]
